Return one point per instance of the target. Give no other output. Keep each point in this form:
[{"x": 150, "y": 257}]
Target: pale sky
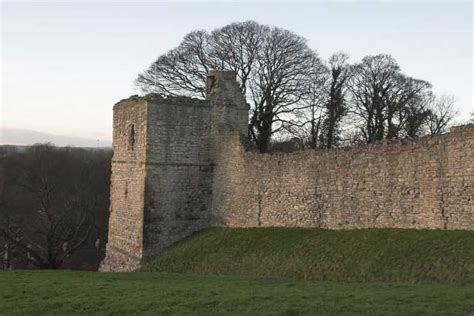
[{"x": 65, "y": 63}]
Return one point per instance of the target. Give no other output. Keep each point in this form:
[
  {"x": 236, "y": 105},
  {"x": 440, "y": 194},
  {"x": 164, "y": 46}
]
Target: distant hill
[{"x": 22, "y": 137}]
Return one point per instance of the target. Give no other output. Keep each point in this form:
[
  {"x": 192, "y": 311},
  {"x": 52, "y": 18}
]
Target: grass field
[
  {"x": 369, "y": 255},
  {"x": 64, "y": 292},
  {"x": 269, "y": 271}
]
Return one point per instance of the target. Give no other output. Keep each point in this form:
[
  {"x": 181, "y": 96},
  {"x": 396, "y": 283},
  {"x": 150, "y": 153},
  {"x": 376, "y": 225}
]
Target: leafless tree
[
  {"x": 383, "y": 98},
  {"x": 286, "y": 70},
  {"x": 335, "y": 103},
  {"x": 51, "y": 206},
  {"x": 274, "y": 67},
  {"x": 442, "y": 113},
  {"x": 414, "y": 117},
  {"x": 182, "y": 70},
  {"x": 236, "y": 47},
  {"x": 368, "y": 87},
  {"x": 307, "y": 120},
  {"x": 279, "y": 75}
]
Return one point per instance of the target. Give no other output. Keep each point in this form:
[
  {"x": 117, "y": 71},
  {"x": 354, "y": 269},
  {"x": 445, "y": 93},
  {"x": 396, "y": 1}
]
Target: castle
[{"x": 179, "y": 166}]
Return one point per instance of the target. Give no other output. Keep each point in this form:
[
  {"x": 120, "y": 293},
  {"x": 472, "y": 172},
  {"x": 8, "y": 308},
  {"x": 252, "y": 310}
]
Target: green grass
[
  {"x": 368, "y": 255},
  {"x": 65, "y": 293},
  {"x": 269, "y": 271}
]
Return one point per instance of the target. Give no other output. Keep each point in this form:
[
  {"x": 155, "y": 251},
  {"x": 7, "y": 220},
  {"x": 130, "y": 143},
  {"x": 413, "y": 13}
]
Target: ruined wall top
[
  {"x": 155, "y": 98},
  {"x": 222, "y": 89}
]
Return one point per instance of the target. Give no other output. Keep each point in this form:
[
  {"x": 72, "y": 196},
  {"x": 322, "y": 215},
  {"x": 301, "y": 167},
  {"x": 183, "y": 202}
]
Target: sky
[{"x": 64, "y": 64}]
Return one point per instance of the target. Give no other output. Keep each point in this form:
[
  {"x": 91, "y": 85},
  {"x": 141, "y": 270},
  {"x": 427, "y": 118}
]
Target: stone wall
[
  {"x": 424, "y": 183},
  {"x": 127, "y": 187},
  {"x": 179, "y": 172},
  {"x": 179, "y": 166},
  {"x": 162, "y": 168}
]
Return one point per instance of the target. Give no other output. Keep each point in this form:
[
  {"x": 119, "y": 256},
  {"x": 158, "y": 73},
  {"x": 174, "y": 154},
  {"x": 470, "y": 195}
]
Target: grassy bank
[
  {"x": 370, "y": 255},
  {"x": 64, "y": 293}
]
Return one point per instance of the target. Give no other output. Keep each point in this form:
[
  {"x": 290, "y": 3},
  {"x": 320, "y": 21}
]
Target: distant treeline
[{"x": 53, "y": 206}]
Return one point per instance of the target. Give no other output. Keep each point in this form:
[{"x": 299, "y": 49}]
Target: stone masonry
[
  {"x": 179, "y": 166},
  {"x": 162, "y": 168}
]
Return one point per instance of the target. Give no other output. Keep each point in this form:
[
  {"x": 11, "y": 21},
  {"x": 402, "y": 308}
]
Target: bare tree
[
  {"x": 414, "y": 117},
  {"x": 278, "y": 72},
  {"x": 383, "y": 98},
  {"x": 368, "y": 87},
  {"x": 442, "y": 112},
  {"x": 406, "y": 106},
  {"x": 307, "y": 121},
  {"x": 286, "y": 69},
  {"x": 52, "y": 204},
  {"x": 274, "y": 67},
  {"x": 181, "y": 71},
  {"x": 236, "y": 47},
  {"x": 335, "y": 105}
]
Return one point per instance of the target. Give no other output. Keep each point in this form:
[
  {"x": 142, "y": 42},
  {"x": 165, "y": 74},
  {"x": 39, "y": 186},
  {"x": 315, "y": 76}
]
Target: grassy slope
[
  {"x": 63, "y": 292},
  {"x": 385, "y": 255}
]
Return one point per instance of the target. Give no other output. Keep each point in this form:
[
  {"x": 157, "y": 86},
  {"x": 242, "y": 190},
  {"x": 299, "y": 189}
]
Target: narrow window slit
[{"x": 131, "y": 137}]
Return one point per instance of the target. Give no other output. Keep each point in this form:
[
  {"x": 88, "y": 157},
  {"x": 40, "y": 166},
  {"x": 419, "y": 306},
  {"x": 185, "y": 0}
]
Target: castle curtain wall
[{"x": 424, "y": 183}]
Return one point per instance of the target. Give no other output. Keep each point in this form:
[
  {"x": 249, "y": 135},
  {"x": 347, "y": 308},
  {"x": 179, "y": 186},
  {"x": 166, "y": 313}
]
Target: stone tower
[{"x": 162, "y": 167}]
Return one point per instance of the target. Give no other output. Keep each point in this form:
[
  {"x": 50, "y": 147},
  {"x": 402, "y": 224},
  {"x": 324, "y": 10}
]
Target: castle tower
[{"x": 162, "y": 168}]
